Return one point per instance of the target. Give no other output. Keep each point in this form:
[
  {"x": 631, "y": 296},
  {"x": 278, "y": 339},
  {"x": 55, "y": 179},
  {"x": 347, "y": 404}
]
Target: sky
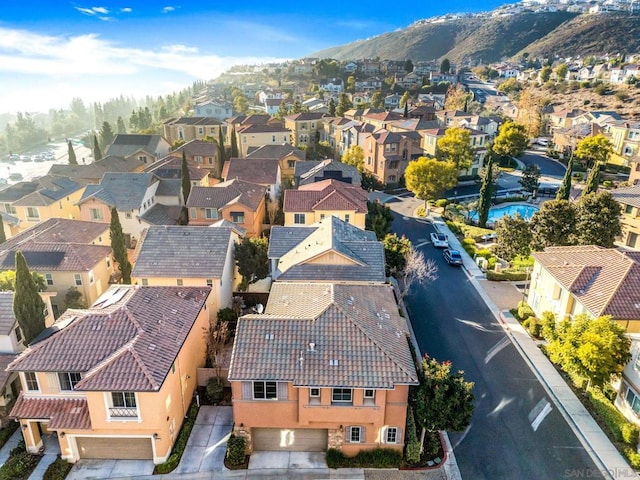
[{"x": 54, "y": 50}]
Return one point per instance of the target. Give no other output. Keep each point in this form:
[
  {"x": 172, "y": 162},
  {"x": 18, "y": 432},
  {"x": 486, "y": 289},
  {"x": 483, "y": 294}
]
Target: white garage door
[
  {"x": 115, "y": 448},
  {"x": 298, "y": 440}
]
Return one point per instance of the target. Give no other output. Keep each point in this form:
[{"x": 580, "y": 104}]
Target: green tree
[
  {"x": 106, "y": 136},
  {"x": 222, "y": 154},
  {"x": 564, "y": 191},
  {"x": 378, "y": 220},
  {"x": 457, "y": 97},
  {"x": 354, "y": 156},
  {"x": 351, "y": 84},
  {"x": 377, "y": 100},
  {"x": 594, "y": 150},
  {"x": 408, "y": 66},
  {"x": 395, "y": 253},
  {"x": 296, "y": 107},
  {"x": 331, "y": 107},
  {"x": 545, "y": 74},
  {"x": 455, "y": 147},
  {"x": 344, "y": 104},
  {"x": 511, "y": 85},
  {"x": 561, "y": 71},
  {"x": 119, "y": 247},
  {"x": 597, "y": 220},
  {"x": 120, "y": 126},
  {"x": 406, "y": 96},
  {"x": 8, "y": 281},
  {"x": 3, "y": 236},
  {"x": 240, "y": 104},
  {"x": 72, "y": 154},
  {"x": 28, "y": 306},
  {"x": 445, "y": 66},
  {"x": 97, "y": 153},
  {"x": 593, "y": 348},
  {"x": 553, "y": 225},
  {"x": 593, "y": 180},
  {"x": 73, "y": 299},
  {"x": 251, "y": 259},
  {"x": 444, "y": 400},
  {"x": 486, "y": 190},
  {"x": 428, "y": 178},
  {"x": 185, "y": 178},
  {"x": 511, "y": 140},
  {"x": 530, "y": 180},
  {"x": 234, "y": 144},
  {"x": 513, "y": 237},
  {"x": 283, "y": 110}
]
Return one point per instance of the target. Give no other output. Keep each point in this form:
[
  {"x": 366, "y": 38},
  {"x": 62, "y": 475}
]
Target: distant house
[
  {"x": 170, "y": 167},
  {"x": 317, "y": 171},
  {"x": 212, "y": 108},
  {"x": 313, "y": 202},
  {"x": 145, "y": 148},
  {"x": 304, "y": 127},
  {"x": 387, "y": 153},
  {"x": 235, "y": 201},
  {"x": 94, "y": 171},
  {"x": 261, "y": 134},
  {"x": 191, "y": 128},
  {"x": 259, "y": 171},
  {"x": 287, "y": 155},
  {"x": 205, "y": 154},
  {"x": 629, "y": 200},
  {"x": 334, "y": 85},
  {"x": 392, "y": 101}
]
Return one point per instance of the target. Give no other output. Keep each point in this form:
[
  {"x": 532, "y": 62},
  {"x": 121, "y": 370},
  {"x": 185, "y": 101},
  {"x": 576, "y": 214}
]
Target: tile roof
[
  {"x": 125, "y": 191},
  {"x": 5, "y": 360},
  {"x": 203, "y": 252},
  {"x": 170, "y": 167},
  {"x": 605, "y": 281},
  {"x": 55, "y": 256},
  {"x": 261, "y": 171},
  {"x": 193, "y": 121},
  {"x": 325, "y": 195},
  {"x": 628, "y": 195},
  {"x": 261, "y": 128},
  {"x": 227, "y": 193},
  {"x": 160, "y": 214},
  {"x": 69, "y": 413},
  {"x": 52, "y": 189},
  {"x": 7, "y": 317},
  {"x": 124, "y": 145},
  {"x": 197, "y": 148},
  {"x": 127, "y": 341},
  {"x": 310, "y": 259},
  {"x": 304, "y": 116},
  {"x": 308, "y": 172},
  {"x": 63, "y": 230},
  {"x": 18, "y": 190},
  {"x": 275, "y": 151},
  {"x": 356, "y": 325}
]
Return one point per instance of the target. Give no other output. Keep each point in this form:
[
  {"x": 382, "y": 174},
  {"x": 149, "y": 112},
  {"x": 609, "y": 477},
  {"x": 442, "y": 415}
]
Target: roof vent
[
  {"x": 268, "y": 336},
  {"x": 333, "y": 362},
  {"x": 312, "y": 347},
  {"x": 152, "y": 346}
]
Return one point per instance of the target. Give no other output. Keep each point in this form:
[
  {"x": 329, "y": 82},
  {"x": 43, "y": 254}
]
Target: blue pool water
[{"x": 496, "y": 213}]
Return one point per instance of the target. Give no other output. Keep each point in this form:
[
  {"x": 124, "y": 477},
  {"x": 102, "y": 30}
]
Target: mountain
[{"x": 486, "y": 38}]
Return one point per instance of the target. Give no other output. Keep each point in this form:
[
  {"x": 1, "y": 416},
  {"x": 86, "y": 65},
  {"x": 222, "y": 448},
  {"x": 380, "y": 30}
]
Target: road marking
[
  {"x": 462, "y": 437},
  {"x": 493, "y": 351},
  {"x": 477, "y": 325},
  {"x": 422, "y": 244},
  {"x": 422, "y": 221},
  {"x": 539, "y": 412}
]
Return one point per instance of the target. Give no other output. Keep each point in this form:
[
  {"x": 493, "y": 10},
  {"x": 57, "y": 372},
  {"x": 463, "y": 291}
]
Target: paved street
[
  {"x": 548, "y": 166},
  {"x": 515, "y": 431}
]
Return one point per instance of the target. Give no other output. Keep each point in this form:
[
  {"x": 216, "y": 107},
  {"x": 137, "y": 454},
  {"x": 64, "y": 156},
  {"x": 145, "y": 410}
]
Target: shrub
[
  {"x": 443, "y": 202},
  {"x": 58, "y": 470},
  {"x": 548, "y": 326},
  {"x": 621, "y": 429},
  {"x": 20, "y": 463},
  {"x": 215, "y": 390},
  {"x": 533, "y": 326},
  {"x": 524, "y": 310},
  {"x": 181, "y": 442},
  {"x": 506, "y": 276},
  {"x": 633, "y": 457},
  {"x": 236, "y": 450},
  {"x": 585, "y": 84},
  {"x": 484, "y": 252},
  {"x": 601, "y": 89},
  {"x": 374, "y": 458},
  {"x": 492, "y": 263},
  {"x": 6, "y": 432},
  {"x": 421, "y": 212},
  {"x": 412, "y": 451},
  {"x": 607, "y": 184},
  {"x": 455, "y": 229}
]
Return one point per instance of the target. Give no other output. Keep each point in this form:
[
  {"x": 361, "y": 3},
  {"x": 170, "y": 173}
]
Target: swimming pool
[{"x": 496, "y": 213}]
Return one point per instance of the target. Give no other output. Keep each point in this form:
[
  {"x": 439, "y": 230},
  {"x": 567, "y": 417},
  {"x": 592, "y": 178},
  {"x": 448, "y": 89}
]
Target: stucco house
[
  {"x": 629, "y": 200},
  {"x": 326, "y": 366},
  {"x": 312, "y": 202},
  {"x": 315, "y": 171},
  {"x": 286, "y": 154},
  {"x": 213, "y": 108},
  {"x": 115, "y": 381},
  {"x": 205, "y": 258},
  {"x": 145, "y": 148},
  {"x": 590, "y": 280},
  {"x": 330, "y": 250},
  {"x": 191, "y": 128},
  {"x": 256, "y": 170}
]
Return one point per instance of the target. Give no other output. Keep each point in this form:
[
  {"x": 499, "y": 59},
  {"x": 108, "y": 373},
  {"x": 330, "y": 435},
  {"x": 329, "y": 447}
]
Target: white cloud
[
  {"x": 93, "y": 11},
  {"x": 126, "y": 10},
  {"x": 86, "y": 11},
  {"x": 168, "y": 9},
  {"x": 101, "y": 10}
]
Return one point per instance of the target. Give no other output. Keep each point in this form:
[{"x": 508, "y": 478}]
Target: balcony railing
[{"x": 123, "y": 412}]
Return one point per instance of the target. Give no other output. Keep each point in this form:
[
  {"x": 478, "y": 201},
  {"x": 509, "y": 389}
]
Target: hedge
[
  {"x": 58, "y": 470},
  {"x": 181, "y": 442},
  {"x": 20, "y": 464},
  {"x": 621, "y": 429},
  {"x": 235, "y": 450},
  {"x": 375, "y": 458},
  {"x": 506, "y": 276}
]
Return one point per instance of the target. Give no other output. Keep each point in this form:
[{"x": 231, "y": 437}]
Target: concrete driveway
[{"x": 95, "y": 469}]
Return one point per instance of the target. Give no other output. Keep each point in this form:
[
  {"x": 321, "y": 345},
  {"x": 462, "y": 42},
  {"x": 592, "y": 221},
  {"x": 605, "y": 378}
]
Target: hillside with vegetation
[{"x": 486, "y": 39}]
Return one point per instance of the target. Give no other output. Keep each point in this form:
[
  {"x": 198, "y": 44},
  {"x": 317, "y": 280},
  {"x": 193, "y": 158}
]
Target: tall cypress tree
[
  {"x": 121, "y": 127},
  {"x": 593, "y": 180},
  {"x": 3, "y": 237},
  {"x": 72, "y": 154},
  {"x": 186, "y": 178},
  {"x": 234, "y": 144},
  {"x": 222, "y": 154},
  {"x": 97, "y": 154},
  {"x": 485, "y": 194},
  {"x": 564, "y": 192},
  {"x": 119, "y": 247},
  {"x": 28, "y": 306}
]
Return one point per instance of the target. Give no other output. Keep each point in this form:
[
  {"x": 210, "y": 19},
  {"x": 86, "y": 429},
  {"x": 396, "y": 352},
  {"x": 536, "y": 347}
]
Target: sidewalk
[{"x": 609, "y": 461}]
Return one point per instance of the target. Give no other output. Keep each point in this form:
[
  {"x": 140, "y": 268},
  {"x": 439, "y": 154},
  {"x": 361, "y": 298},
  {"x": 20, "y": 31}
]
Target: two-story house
[
  {"x": 629, "y": 200},
  {"x": 287, "y": 155},
  {"x": 304, "y": 127},
  {"x": 94, "y": 171},
  {"x": 10, "y": 195},
  {"x": 387, "y": 154},
  {"x": 115, "y": 381},
  {"x": 213, "y": 108},
  {"x": 205, "y": 154},
  {"x": 625, "y": 140},
  {"x": 330, "y": 250},
  {"x": 596, "y": 281},
  {"x": 326, "y": 366},
  {"x": 170, "y": 167},
  {"x": 258, "y": 135},
  {"x": 205, "y": 258},
  {"x": 191, "y": 128},
  {"x": 256, "y": 170},
  {"x": 312, "y": 202},
  {"x": 315, "y": 171},
  {"x": 145, "y": 148},
  {"x": 238, "y": 202}
]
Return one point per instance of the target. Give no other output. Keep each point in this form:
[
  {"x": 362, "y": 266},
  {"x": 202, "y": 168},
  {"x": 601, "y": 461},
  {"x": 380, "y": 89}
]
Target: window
[
  {"x": 342, "y": 395},
  {"x": 633, "y": 401},
  {"x": 128, "y": 214},
  {"x": 210, "y": 160},
  {"x": 209, "y": 282},
  {"x": 68, "y": 380},
  {"x": 145, "y": 282},
  {"x": 265, "y": 390},
  {"x": 298, "y": 218},
  {"x": 95, "y": 214},
  {"x": 322, "y": 216},
  {"x": 193, "y": 212},
  {"x": 108, "y": 262},
  {"x": 291, "y": 163},
  {"x": 123, "y": 405},
  {"x": 273, "y": 138},
  {"x": 314, "y": 392},
  {"x": 211, "y": 213},
  {"x": 179, "y": 282},
  {"x": 49, "y": 278},
  {"x": 77, "y": 279},
  {"x": 628, "y": 209},
  {"x": 237, "y": 217},
  {"x": 91, "y": 276},
  {"x": 32, "y": 381},
  {"x": 392, "y": 435},
  {"x": 369, "y": 393},
  {"x": 200, "y": 131},
  {"x": 355, "y": 435},
  {"x": 18, "y": 334},
  {"x": 143, "y": 158},
  {"x": 347, "y": 217},
  {"x": 32, "y": 213}
]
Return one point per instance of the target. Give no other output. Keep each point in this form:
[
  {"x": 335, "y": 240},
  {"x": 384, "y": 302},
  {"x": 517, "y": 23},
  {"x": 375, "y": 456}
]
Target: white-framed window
[
  {"x": 347, "y": 217},
  {"x": 48, "y": 278},
  {"x": 369, "y": 396},
  {"x": 237, "y": 217},
  {"x": 77, "y": 278},
  {"x": 193, "y": 212},
  {"x": 95, "y": 214},
  {"x": 32, "y": 213},
  {"x": 355, "y": 434},
  {"x": 145, "y": 282},
  {"x": 211, "y": 213},
  {"x": 342, "y": 395},
  {"x": 322, "y": 215},
  {"x": 265, "y": 390},
  {"x": 632, "y": 400},
  {"x": 391, "y": 435},
  {"x": 123, "y": 405},
  {"x": 68, "y": 380},
  {"x": 31, "y": 381},
  {"x": 299, "y": 218}
]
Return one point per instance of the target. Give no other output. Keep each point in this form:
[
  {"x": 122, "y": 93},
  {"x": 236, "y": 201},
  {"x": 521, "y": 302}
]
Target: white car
[{"x": 439, "y": 240}]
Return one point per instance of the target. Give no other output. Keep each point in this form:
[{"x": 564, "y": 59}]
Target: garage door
[
  {"x": 298, "y": 440},
  {"x": 118, "y": 448}
]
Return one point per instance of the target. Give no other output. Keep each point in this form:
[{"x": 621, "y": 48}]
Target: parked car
[
  {"x": 439, "y": 240},
  {"x": 452, "y": 257},
  {"x": 25, "y": 158},
  {"x": 16, "y": 177}
]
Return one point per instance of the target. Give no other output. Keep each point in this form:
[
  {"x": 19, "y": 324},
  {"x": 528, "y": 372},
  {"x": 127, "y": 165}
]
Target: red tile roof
[
  {"x": 326, "y": 195},
  {"x": 70, "y": 413}
]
